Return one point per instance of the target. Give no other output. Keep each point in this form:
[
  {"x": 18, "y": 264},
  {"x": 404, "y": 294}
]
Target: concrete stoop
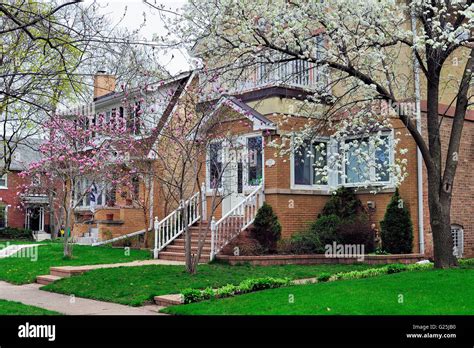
[{"x": 168, "y": 300}]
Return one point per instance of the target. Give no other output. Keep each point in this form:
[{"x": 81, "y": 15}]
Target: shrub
[
  {"x": 466, "y": 262},
  {"x": 325, "y": 228},
  {"x": 266, "y": 228},
  {"x": 324, "y": 277},
  {"x": 357, "y": 232},
  {"x": 192, "y": 295},
  {"x": 397, "y": 228},
  {"x": 16, "y": 233},
  {"x": 246, "y": 286},
  {"x": 420, "y": 266},
  {"x": 250, "y": 247},
  {"x": 396, "y": 268},
  {"x": 344, "y": 204},
  {"x": 305, "y": 243},
  {"x": 225, "y": 291}
]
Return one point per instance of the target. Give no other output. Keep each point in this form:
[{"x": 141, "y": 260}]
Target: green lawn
[
  {"x": 17, "y": 308},
  {"x": 432, "y": 292},
  {"x": 24, "y": 270},
  {"x": 137, "y": 285}
]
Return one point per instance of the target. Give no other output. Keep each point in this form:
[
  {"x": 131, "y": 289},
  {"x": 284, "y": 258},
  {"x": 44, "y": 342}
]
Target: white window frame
[
  {"x": 372, "y": 174},
  {"x": 4, "y": 187},
  {"x": 322, "y": 187}
]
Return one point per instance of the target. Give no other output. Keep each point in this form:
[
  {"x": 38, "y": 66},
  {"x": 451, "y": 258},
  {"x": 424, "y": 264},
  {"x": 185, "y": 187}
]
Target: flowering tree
[
  {"x": 81, "y": 153},
  {"x": 364, "y": 50}
]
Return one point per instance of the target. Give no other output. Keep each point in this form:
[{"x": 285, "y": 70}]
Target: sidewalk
[{"x": 31, "y": 295}]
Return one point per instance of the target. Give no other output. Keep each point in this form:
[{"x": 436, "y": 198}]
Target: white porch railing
[
  {"x": 236, "y": 220},
  {"x": 172, "y": 226}
]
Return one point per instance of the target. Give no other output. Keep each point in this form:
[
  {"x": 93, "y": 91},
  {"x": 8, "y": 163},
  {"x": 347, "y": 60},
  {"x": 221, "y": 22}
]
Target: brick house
[
  {"x": 257, "y": 111},
  {"x": 20, "y": 211}
]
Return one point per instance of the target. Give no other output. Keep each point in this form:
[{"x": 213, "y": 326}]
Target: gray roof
[{"x": 25, "y": 152}]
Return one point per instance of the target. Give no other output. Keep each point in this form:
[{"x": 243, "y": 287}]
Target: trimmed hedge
[{"x": 16, "y": 233}]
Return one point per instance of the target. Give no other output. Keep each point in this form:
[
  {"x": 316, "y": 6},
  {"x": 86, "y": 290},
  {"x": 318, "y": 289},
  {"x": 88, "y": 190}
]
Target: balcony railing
[{"x": 299, "y": 74}]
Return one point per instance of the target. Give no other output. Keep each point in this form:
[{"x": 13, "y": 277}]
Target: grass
[
  {"x": 432, "y": 292},
  {"x": 25, "y": 270},
  {"x": 137, "y": 285},
  {"x": 17, "y": 308}
]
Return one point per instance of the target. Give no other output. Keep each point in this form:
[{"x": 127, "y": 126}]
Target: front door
[
  {"x": 243, "y": 170},
  {"x": 232, "y": 179},
  {"x": 35, "y": 219}
]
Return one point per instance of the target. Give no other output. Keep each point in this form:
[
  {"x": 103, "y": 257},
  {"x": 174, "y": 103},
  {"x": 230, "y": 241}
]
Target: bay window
[
  {"x": 366, "y": 160},
  {"x": 310, "y": 161}
]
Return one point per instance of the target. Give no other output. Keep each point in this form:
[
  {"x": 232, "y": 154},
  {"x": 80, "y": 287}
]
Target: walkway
[{"x": 30, "y": 294}]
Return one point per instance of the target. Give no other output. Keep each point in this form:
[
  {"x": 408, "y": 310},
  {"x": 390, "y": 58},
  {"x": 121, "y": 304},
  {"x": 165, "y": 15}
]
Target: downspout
[{"x": 419, "y": 166}]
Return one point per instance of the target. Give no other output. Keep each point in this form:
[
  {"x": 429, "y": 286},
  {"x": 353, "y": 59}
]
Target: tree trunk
[
  {"x": 190, "y": 267},
  {"x": 440, "y": 221}
]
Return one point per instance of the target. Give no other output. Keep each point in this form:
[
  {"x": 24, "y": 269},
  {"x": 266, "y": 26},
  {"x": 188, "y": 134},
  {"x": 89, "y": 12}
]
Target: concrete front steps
[
  {"x": 176, "y": 252},
  {"x": 56, "y": 273}
]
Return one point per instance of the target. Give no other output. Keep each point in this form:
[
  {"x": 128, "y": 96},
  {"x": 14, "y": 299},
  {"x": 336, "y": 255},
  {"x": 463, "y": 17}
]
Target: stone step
[
  {"x": 65, "y": 273},
  {"x": 176, "y": 256},
  {"x": 47, "y": 279},
  {"x": 194, "y": 242},
  {"x": 180, "y": 248},
  {"x": 168, "y": 300}
]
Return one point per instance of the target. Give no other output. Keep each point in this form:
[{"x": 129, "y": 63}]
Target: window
[
  {"x": 3, "y": 216},
  {"x": 367, "y": 160},
  {"x": 215, "y": 165},
  {"x": 3, "y": 181},
  {"x": 457, "y": 233},
  {"x": 309, "y": 164},
  {"x": 356, "y": 167},
  {"x": 255, "y": 166}
]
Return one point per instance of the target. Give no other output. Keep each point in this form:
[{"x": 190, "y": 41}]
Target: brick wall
[
  {"x": 9, "y": 197},
  {"x": 297, "y": 208},
  {"x": 463, "y": 190}
]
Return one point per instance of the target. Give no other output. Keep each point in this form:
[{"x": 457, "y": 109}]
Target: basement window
[{"x": 457, "y": 233}]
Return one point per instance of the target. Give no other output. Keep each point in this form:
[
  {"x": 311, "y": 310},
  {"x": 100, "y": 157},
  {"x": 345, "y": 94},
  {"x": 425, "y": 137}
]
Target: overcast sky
[{"x": 134, "y": 18}]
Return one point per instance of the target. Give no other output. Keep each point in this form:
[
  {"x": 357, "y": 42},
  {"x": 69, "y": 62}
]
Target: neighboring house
[
  {"x": 252, "y": 113},
  {"x": 116, "y": 214},
  {"x": 20, "y": 211}
]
